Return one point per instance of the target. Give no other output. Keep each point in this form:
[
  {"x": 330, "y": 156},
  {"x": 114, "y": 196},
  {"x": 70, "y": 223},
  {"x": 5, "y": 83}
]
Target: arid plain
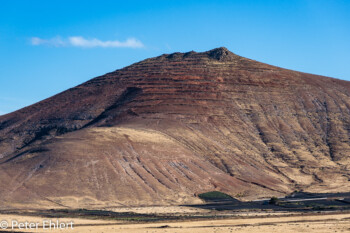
[{"x": 243, "y": 222}]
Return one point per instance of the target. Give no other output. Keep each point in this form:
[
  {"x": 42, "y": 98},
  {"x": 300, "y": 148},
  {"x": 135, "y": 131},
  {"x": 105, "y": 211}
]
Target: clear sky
[{"x": 49, "y": 46}]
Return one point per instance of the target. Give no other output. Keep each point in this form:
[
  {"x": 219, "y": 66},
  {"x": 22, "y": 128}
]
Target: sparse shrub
[
  {"x": 241, "y": 194},
  {"x": 274, "y": 201},
  {"x": 214, "y": 195}
]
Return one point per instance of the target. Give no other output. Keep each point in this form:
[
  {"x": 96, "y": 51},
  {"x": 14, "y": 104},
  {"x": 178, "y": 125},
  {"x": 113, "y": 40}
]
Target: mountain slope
[{"x": 167, "y": 128}]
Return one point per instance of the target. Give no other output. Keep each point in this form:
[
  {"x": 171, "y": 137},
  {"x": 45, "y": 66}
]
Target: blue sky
[{"x": 49, "y": 46}]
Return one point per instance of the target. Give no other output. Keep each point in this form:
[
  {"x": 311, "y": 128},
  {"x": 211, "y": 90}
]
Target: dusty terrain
[
  {"x": 163, "y": 130},
  {"x": 317, "y": 223}
]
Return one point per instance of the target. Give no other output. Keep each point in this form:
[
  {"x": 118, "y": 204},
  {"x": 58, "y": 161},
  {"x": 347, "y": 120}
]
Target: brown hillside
[{"x": 167, "y": 128}]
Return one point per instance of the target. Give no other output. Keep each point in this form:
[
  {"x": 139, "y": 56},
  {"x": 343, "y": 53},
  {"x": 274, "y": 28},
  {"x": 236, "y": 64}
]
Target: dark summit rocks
[{"x": 222, "y": 54}]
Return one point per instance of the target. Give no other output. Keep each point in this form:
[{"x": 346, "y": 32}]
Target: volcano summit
[{"x": 167, "y": 128}]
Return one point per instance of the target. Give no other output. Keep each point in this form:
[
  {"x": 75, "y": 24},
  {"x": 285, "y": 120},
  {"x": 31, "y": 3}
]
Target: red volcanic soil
[{"x": 167, "y": 128}]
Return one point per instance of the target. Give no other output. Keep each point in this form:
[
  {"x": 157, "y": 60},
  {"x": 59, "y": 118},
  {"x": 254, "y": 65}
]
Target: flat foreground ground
[{"x": 330, "y": 222}]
